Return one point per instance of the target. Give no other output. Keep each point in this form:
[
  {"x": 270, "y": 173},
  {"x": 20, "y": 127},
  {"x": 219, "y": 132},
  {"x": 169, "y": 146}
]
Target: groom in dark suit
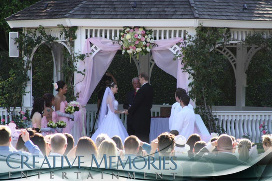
[{"x": 140, "y": 109}]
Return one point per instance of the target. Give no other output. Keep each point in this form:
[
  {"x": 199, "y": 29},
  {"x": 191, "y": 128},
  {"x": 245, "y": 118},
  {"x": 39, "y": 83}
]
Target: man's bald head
[{"x": 224, "y": 143}]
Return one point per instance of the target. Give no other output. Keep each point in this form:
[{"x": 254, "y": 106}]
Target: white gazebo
[{"x": 167, "y": 19}]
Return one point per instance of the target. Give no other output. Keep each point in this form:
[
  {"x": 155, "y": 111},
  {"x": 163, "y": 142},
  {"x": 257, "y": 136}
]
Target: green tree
[{"x": 205, "y": 66}]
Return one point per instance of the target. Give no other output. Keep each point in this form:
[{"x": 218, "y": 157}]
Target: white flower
[
  {"x": 55, "y": 86},
  {"x": 144, "y": 43},
  {"x": 138, "y": 50},
  {"x": 141, "y": 29},
  {"x": 145, "y": 36},
  {"x": 128, "y": 36},
  {"x": 121, "y": 33},
  {"x": 151, "y": 41},
  {"x": 143, "y": 48},
  {"x": 140, "y": 36},
  {"x": 129, "y": 51},
  {"x": 149, "y": 36},
  {"x": 148, "y": 40},
  {"x": 121, "y": 43},
  {"x": 122, "y": 38},
  {"x": 123, "y": 51},
  {"x": 148, "y": 49}
]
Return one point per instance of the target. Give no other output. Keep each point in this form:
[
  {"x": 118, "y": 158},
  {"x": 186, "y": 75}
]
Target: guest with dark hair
[
  {"x": 38, "y": 140},
  {"x": 70, "y": 142},
  {"x": 174, "y": 132},
  {"x": 61, "y": 104},
  {"x": 20, "y": 142},
  {"x": 118, "y": 142},
  {"x": 48, "y": 114},
  {"x": 166, "y": 144},
  {"x": 191, "y": 142},
  {"x": 36, "y": 113},
  {"x": 198, "y": 146}
]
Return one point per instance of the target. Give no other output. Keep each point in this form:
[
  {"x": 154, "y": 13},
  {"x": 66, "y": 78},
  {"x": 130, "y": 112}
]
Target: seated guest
[
  {"x": 166, "y": 144},
  {"x": 181, "y": 148},
  {"x": 198, "y": 146},
  {"x": 86, "y": 147},
  {"x": 184, "y": 120},
  {"x": 108, "y": 148},
  {"x": 132, "y": 145},
  {"x": 58, "y": 144},
  {"x": 175, "y": 132},
  {"x": 191, "y": 142},
  {"x": 100, "y": 138},
  {"x": 70, "y": 142},
  {"x": 224, "y": 151},
  {"x": 243, "y": 149},
  {"x": 5, "y": 143},
  {"x": 118, "y": 142},
  {"x": 38, "y": 140},
  {"x": 267, "y": 142}
]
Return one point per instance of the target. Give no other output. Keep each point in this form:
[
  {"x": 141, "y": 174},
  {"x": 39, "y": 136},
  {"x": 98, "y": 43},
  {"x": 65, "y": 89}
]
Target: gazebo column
[
  {"x": 241, "y": 55},
  {"x": 57, "y": 53}
]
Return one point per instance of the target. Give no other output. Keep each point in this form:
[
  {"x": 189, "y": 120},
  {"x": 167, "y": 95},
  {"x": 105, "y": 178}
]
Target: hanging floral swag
[{"x": 136, "y": 41}]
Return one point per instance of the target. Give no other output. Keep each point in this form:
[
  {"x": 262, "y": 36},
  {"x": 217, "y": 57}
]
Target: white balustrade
[{"x": 240, "y": 123}]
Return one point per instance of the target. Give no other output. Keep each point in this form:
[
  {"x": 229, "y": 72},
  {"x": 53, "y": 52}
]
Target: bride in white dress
[{"x": 109, "y": 122}]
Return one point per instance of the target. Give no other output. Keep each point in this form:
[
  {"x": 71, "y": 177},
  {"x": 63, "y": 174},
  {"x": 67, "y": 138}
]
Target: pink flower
[
  {"x": 136, "y": 36},
  {"x": 131, "y": 30},
  {"x": 264, "y": 131},
  {"x": 2, "y": 120},
  {"x": 136, "y": 42},
  {"x": 261, "y": 125},
  {"x": 22, "y": 112},
  {"x": 136, "y": 29},
  {"x": 134, "y": 48},
  {"x": 143, "y": 39},
  {"x": 143, "y": 32},
  {"x": 12, "y": 121},
  {"x": 24, "y": 118},
  {"x": 147, "y": 44}
]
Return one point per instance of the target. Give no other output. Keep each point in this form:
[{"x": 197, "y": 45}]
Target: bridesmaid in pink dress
[
  {"x": 61, "y": 104},
  {"x": 48, "y": 113}
]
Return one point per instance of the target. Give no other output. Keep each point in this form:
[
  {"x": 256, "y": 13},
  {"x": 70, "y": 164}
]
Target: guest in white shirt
[{"x": 185, "y": 119}]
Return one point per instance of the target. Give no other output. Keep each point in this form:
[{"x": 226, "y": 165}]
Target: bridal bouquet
[
  {"x": 51, "y": 124},
  {"x": 61, "y": 124},
  {"x": 72, "y": 107}
]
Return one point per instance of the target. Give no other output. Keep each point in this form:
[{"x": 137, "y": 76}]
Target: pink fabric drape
[
  {"x": 94, "y": 66},
  {"x": 163, "y": 57}
]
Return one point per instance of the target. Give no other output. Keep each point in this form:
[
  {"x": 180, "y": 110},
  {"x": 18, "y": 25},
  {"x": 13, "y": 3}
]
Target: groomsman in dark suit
[
  {"x": 129, "y": 100},
  {"x": 140, "y": 109}
]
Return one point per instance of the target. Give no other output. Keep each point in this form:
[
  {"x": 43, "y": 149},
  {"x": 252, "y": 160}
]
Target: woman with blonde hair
[
  {"x": 267, "y": 142},
  {"x": 108, "y": 148},
  {"x": 243, "y": 149}
]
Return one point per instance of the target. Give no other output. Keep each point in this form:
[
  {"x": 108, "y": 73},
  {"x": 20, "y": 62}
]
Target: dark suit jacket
[
  {"x": 140, "y": 109},
  {"x": 129, "y": 99}
]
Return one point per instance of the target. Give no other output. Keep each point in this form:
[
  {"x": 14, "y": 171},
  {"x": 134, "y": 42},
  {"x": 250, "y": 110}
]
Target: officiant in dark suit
[
  {"x": 140, "y": 109},
  {"x": 128, "y": 102}
]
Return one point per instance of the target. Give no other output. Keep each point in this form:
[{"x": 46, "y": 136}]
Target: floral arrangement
[
  {"x": 72, "y": 107},
  {"x": 51, "y": 124},
  {"x": 136, "y": 40},
  {"x": 55, "y": 86},
  {"x": 61, "y": 124},
  {"x": 21, "y": 119},
  {"x": 264, "y": 129}
]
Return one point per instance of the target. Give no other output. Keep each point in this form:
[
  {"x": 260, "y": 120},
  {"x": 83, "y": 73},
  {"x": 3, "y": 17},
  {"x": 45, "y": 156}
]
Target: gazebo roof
[{"x": 247, "y": 10}]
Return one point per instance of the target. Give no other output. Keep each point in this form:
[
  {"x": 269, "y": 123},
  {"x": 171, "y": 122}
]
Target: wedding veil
[{"x": 104, "y": 108}]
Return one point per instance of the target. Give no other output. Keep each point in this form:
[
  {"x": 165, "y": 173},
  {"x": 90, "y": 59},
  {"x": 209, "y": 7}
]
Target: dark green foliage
[
  {"x": 164, "y": 86},
  {"x": 259, "y": 73},
  {"x": 42, "y": 72}
]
